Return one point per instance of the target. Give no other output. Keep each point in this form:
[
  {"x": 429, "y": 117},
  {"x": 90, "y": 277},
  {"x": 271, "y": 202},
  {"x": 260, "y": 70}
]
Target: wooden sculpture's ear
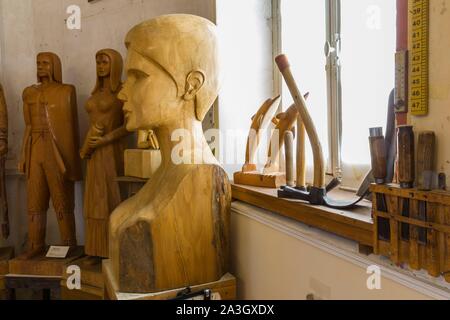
[{"x": 194, "y": 82}]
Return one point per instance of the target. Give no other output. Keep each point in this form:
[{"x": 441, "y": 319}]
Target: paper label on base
[{"x": 57, "y": 252}]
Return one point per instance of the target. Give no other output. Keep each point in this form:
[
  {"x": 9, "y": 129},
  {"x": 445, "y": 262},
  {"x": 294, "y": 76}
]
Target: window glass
[
  {"x": 303, "y": 39},
  {"x": 368, "y": 72}
]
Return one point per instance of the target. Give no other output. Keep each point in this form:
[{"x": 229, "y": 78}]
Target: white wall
[
  {"x": 30, "y": 26},
  {"x": 245, "y": 29},
  {"x": 277, "y": 258},
  {"x": 438, "y": 119}
]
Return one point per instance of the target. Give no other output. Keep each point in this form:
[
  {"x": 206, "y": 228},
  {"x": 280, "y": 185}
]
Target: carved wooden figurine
[
  {"x": 4, "y": 222},
  {"x": 175, "y": 232},
  {"x": 50, "y": 157},
  {"x": 103, "y": 148}
]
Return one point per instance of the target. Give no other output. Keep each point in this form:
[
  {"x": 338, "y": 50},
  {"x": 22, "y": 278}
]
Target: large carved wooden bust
[{"x": 175, "y": 232}]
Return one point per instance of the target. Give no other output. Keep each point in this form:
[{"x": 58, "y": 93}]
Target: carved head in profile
[
  {"x": 48, "y": 66},
  {"x": 172, "y": 71},
  {"x": 109, "y": 65}
]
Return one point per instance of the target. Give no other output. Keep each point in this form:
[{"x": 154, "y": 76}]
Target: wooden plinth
[
  {"x": 92, "y": 282},
  {"x": 6, "y": 254},
  {"x": 142, "y": 163},
  {"x": 225, "y": 287},
  {"x": 256, "y": 179},
  {"x": 42, "y": 266}
]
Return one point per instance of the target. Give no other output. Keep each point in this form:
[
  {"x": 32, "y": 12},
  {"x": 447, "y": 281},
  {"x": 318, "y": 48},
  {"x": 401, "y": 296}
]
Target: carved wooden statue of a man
[
  {"x": 50, "y": 158},
  {"x": 175, "y": 232}
]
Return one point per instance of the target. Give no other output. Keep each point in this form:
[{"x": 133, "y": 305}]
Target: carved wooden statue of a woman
[
  {"x": 103, "y": 148},
  {"x": 174, "y": 233}
]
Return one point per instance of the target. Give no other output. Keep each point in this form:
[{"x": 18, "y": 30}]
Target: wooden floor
[{"x": 353, "y": 224}]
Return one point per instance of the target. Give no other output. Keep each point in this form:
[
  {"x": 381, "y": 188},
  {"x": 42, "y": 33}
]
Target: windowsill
[{"x": 355, "y": 224}]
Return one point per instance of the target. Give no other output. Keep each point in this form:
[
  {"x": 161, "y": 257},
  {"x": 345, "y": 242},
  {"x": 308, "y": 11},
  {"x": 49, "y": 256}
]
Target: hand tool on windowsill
[
  {"x": 285, "y": 122},
  {"x": 317, "y": 194}
]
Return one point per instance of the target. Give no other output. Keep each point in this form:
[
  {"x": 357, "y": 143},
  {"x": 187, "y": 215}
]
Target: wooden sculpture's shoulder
[{"x": 191, "y": 208}]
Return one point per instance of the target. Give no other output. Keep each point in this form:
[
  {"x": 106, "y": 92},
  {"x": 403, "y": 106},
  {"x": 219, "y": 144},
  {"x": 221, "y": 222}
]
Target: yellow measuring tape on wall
[{"x": 419, "y": 15}]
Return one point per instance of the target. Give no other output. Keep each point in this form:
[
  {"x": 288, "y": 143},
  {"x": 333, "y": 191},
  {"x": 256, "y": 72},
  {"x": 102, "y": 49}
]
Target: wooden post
[
  {"x": 393, "y": 208},
  {"x": 432, "y": 242},
  {"x": 414, "y": 262},
  {"x": 289, "y": 151},
  {"x": 301, "y": 154}
]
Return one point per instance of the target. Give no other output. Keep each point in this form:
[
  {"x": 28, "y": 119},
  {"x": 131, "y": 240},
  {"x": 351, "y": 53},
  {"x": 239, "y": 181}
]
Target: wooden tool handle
[
  {"x": 319, "y": 163},
  {"x": 425, "y": 160},
  {"x": 406, "y": 170},
  {"x": 289, "y": 152},
  {"x": 378, "y": 157}
]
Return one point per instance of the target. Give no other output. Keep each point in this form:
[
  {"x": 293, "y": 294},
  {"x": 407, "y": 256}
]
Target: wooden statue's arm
[
  {"x": 26, "y": 136},
  {"x": 116, "y": 134}
]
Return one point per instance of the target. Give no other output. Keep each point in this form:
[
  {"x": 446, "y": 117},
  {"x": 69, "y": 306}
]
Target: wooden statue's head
[
  {"x": 109, "y": 65},
  {"x": 172, "y": 71},
  {"x": 49, "y": 66}
]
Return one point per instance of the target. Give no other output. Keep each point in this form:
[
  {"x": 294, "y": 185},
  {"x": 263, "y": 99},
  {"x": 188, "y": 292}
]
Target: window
[{"x": 342, "y": 52}]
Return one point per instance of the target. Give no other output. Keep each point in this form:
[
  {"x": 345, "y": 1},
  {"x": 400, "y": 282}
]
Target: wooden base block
[
  {"x": 43, "y": 266},
  {"x": 6, "y": 254},
  {"x": 256, "y": 179},
  {"x": 85, "y": 293},
  {"x": 92, "y": 282},
  {"x": 225, "y": 287},
  {"x": 142, "y": 163},
  {"x": 3, "y": 292}
]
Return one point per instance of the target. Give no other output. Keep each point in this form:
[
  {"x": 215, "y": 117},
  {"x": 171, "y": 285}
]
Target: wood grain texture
[
  {"x": 289, "y": 154},
  {"x": 257, "y": 179},
  {"x": 423, "y": 242},
  {"x": 300, "y": 103},
  {"x": 260, "y": 122},
  {"x": 378, "y": 157},
  {"x": 406, "y": 156},
  {"x": 6, "y": 254},
  {"x": 301, "y": 154},
  {"x": 355, "y": 225},
  {"x": 42, "y": 266},
  {"x": 425, "y": 160},
  {"x": 164, "y": 233},
  {"x": 175, "y": 231},
  {"x": 225, "y": 286}
]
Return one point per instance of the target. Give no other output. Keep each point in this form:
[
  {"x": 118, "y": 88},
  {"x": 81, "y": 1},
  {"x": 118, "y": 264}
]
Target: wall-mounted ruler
[{"x": 419, "y": 15}]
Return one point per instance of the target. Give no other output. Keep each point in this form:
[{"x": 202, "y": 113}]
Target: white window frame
[{"x": 332, "y": 48}]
